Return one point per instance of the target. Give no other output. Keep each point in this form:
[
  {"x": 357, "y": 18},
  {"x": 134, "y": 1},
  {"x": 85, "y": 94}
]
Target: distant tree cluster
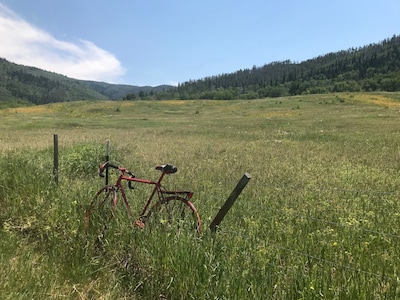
[
  {"x": 375, "y": 67},
  {"x": 142, "y": 95}
]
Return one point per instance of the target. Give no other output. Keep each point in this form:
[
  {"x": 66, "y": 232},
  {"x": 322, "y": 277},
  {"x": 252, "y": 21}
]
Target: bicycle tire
[
  {"x": 174, "y": 213},
  {"x": 100, "y": 212}
]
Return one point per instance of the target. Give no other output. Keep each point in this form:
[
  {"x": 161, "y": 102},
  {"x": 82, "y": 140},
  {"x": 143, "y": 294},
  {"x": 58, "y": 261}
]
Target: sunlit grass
[
  {"x": 378, "y": 99},
  {"x": 319, "y": 217}
]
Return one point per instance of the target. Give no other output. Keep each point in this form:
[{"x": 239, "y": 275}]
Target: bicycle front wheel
[
  {"x": 174, "y": 213},
  {"x": 100, "y": 211}
]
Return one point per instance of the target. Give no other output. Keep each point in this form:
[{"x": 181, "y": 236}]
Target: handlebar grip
[
  {"x": 130, "y": 182},
  {"x": 101, "y": 170},
  {"x": 130, "y": 185}
]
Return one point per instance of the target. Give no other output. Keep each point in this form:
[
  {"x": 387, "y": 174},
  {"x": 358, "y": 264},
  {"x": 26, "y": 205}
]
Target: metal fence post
[{"x": 107, "y": 159}]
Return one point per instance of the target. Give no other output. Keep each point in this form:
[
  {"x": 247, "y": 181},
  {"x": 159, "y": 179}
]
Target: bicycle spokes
[
  {"x": 174, "y": 213},
  {"x": 98, "y": 216}
]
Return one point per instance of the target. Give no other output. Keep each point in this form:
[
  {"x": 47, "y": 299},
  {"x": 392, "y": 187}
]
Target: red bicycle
[{"x": 172, "y": 210}]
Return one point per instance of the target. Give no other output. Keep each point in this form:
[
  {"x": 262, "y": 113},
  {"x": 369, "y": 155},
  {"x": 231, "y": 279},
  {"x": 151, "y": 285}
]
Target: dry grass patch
[{"x": 377, "y": 99}]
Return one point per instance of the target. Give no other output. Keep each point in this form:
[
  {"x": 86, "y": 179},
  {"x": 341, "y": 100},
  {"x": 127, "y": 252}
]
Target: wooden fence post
[
  {"x": 229, "y": 202},
  {"x": 55, "y": 160}
]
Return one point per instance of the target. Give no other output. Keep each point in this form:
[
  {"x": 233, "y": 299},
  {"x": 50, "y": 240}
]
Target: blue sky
[{"x": 169, "y": 42}]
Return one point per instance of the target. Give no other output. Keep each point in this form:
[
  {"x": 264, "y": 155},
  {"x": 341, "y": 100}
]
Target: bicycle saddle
[{"x": 167, "y": 169}]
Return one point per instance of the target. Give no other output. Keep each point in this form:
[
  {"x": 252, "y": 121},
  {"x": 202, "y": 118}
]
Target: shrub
[{"x": 82, "y": 159}]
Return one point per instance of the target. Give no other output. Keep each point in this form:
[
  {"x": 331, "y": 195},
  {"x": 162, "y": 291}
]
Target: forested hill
[
  {"x": 29, "y": 85},
  {"x": 23, "y": 85},
  {"x": 375, "y": 67}
]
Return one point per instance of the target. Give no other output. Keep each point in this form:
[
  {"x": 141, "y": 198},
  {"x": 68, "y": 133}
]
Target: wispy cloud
[{"x": 23, "y": 43}]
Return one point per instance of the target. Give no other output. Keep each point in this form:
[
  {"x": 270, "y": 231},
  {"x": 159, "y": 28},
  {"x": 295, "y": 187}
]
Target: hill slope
[
  {"x": 32, "y": 85},
  {"x": 375, "y": 67},
  {"x": 29, "y": 85}
]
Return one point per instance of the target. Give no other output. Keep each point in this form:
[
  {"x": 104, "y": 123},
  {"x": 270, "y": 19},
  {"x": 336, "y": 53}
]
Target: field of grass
[{"x": 319, "y": 218}]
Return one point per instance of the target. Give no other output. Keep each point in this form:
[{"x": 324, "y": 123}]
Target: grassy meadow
[{"x": 319, "y": 218}]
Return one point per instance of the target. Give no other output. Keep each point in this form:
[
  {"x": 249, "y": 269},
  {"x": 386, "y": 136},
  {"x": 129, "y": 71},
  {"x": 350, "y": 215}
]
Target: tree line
[{"x": 375, "y": 67}]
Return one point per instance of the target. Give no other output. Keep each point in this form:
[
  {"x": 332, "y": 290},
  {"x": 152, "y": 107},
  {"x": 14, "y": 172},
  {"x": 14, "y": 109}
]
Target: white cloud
[{"x": 23, "y": 43}]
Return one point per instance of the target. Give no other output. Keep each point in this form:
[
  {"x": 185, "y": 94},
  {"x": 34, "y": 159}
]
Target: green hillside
[
  {"x": 23, "y": 85},
  {"x": 375, "y": 67},
  {"x": 32, "y": 85}
]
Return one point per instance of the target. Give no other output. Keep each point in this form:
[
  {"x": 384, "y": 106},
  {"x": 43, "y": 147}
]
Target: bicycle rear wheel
[
  {"x": 100, "y": 212},
  {"x": 174, "y": 213}
]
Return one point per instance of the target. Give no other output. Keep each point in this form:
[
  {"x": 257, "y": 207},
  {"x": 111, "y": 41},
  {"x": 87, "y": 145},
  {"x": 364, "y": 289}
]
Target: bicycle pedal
[{"x": 139, "y": 224}]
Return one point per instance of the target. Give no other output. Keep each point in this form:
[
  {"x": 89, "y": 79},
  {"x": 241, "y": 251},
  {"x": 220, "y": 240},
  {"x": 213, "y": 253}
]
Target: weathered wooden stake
[
  {"x": 229, "y": 202},
  {"x": 55, "y": 166}
]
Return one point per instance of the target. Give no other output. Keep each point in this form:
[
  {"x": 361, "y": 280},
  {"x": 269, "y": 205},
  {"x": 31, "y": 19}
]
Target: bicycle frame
[
  {"x": 172, "y": 209},
  {"x": 131, "y": 178}
]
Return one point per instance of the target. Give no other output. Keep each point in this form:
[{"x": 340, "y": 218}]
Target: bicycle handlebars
[
  {"x": 122, "y": 170},
  {"x": 109, "y": 165}
]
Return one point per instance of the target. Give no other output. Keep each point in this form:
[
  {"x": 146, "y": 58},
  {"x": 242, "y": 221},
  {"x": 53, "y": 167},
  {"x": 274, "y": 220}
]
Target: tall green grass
[{"x": 318, "y": 219}]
